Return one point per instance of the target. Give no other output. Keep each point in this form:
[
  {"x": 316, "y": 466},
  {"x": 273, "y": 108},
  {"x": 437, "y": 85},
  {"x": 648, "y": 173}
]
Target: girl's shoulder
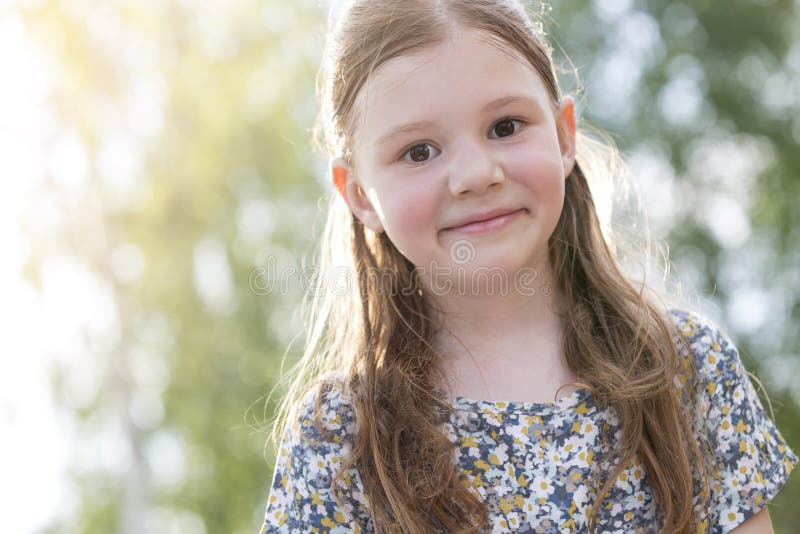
[
  {"x": 707, "y": 350},
  {"x": 696, "y": 327},
  {"x": 710, "y": 359},
  {"x": 327, "y": 401},
  {"x": 305, "y": 494},
  {"x": 752, "y": 459},
  {"x": 712, "y": 375}
]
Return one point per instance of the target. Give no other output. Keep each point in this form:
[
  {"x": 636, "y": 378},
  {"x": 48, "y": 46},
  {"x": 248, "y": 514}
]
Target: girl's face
[{"x": 449, "y": 134}]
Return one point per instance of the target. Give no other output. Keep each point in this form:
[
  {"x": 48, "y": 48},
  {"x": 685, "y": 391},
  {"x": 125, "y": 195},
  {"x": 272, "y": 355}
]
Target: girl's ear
[
  {"x": 565, "y": 123},
  {"x": 354, "y": 195}
]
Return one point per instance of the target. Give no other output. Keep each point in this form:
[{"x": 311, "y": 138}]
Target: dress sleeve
[
  {"x": 301, "y": 496},
  {"x": 751, "y": 459}
]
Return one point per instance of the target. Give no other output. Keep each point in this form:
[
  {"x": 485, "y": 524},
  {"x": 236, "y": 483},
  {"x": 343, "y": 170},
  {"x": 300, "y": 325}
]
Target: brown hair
[{"x": 617, "y": 337}]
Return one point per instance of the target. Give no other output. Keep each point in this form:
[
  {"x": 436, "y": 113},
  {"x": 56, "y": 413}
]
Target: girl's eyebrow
[
  {"x": 420, "y": 125},
  {"x": 406, "y": 128}
]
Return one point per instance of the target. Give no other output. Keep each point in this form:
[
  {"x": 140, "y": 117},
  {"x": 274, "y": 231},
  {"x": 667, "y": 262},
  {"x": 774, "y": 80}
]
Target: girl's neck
[
  {"x": 501, "y": 316},
  {"x": 506, "y": 348}
]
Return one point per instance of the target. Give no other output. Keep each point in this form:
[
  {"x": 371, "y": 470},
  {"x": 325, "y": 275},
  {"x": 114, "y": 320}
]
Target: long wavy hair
[{"x": 617, "y": 335}]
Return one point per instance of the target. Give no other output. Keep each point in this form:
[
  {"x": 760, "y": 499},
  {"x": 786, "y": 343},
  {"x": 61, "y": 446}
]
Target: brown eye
[
  {"x": 419, "y": 153},
  {"x": 505, "y": 127}
]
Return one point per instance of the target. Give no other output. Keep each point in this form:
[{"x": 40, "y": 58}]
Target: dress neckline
[{"x": 564, "y": 402}]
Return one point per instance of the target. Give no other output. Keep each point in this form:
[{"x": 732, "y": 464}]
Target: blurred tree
[{"x": 194, "y": 120}]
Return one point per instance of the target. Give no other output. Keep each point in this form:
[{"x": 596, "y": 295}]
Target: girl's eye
[
  {"x": 421, "y": 153},
  {"x": 505, "y": 127},
  {"x": 418, "y": 153}
]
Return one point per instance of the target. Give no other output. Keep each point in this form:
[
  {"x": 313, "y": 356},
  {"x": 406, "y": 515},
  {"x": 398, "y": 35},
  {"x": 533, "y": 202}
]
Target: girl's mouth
[{"x": 488, "y": 225}]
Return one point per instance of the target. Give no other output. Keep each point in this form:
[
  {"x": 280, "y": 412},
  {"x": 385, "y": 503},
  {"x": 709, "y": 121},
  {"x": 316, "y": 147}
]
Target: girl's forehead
[
  {"x": 465, "y": 71},
  {"x": 465, "y": 51}
]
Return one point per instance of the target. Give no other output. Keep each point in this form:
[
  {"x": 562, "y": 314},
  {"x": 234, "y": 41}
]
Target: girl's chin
[{"x": 493, "y": 278}]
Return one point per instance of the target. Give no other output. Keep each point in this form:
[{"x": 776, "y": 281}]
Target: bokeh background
[{"x": 156, "y": 153}]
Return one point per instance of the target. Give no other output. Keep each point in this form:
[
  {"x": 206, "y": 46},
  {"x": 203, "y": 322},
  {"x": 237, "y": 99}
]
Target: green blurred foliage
[{"x": 220, "y": 98}]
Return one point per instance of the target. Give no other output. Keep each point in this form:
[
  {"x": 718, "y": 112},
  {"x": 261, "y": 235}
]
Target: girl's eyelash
[
  {"x": 495, "y": 123},
  {"x": 521, "y": 122}
]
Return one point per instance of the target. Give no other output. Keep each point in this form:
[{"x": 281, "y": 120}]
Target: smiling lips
[{"x": 487, "y": 222}]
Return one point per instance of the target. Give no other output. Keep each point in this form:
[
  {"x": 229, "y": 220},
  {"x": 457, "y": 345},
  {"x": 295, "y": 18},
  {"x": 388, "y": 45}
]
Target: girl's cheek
[
  {"x": 538, "y": 168},
  {"x": 413, "y": 206}
]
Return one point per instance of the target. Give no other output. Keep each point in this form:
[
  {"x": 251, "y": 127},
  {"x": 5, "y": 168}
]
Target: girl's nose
[{"x": 474, "y": 169}]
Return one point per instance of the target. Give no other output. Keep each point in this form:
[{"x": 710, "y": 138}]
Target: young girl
[{"x": 484, "y": 284}]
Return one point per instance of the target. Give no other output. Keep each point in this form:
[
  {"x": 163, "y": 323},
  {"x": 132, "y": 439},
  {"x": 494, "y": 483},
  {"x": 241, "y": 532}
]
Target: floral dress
[{"x": 532, "y": 462}]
